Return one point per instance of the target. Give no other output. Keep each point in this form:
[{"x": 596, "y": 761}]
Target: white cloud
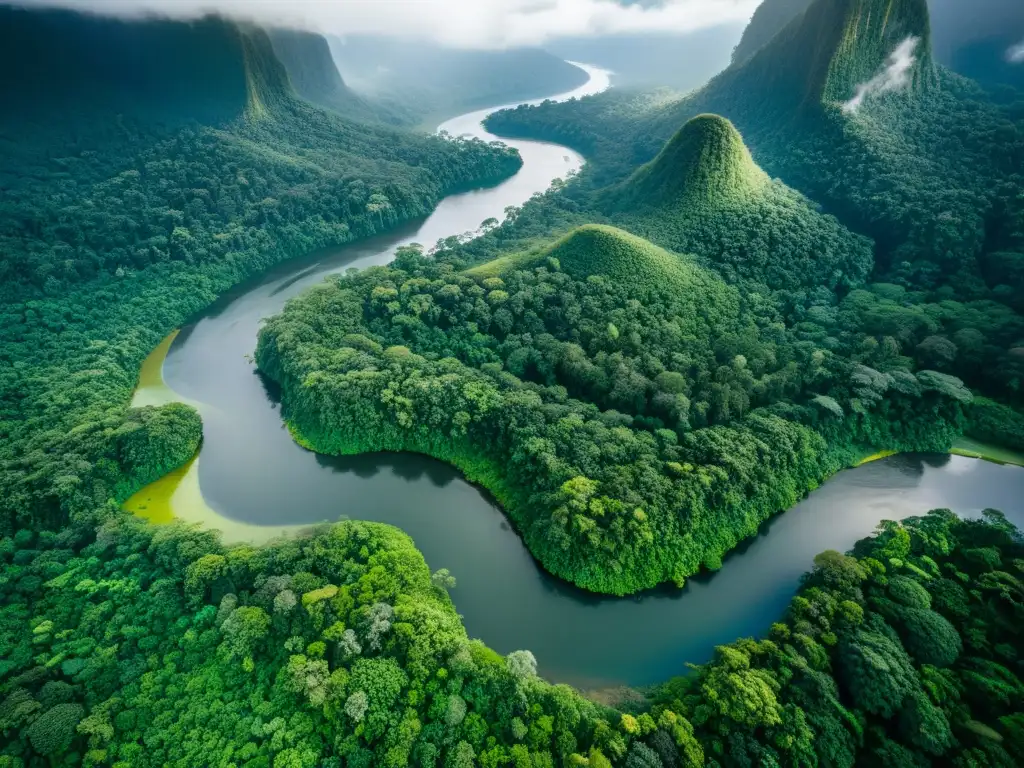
[
  {"x": 894, "y": 76},
  {"x": 464, "y": 23},
  {"x": 1015, "y": 54}
]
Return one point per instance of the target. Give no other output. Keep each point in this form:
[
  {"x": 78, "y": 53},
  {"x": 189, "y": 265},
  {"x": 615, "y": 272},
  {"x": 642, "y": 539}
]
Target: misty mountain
[
  {"x": 768, "y": 20},
  {"x": 433, "y": 81},
  {"x": 209, "y": 70},
  {"x": 972, "y": 38},
  {"x": 307, "y": 59},
  {"x": 681, "y": 61}
]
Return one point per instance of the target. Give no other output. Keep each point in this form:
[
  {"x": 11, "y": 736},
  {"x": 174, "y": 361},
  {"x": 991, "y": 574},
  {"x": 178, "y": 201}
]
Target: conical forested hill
[
  {"x": 704, "y": 194},
  {"x": 636, "y": 265},
  {"x": 705, "y": 160}
]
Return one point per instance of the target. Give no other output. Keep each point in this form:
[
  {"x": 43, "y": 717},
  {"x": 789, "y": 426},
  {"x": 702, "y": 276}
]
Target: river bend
[{"x": 254, "y": 479}]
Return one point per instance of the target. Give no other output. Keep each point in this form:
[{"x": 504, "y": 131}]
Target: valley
[{"x": 624, "y": 427}]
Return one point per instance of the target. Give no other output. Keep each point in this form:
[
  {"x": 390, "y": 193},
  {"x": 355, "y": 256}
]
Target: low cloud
[
  {"x": 893, "y": 77},
  {"x": 461, "y": 23},
  {"x": 1015, "y": 55}
]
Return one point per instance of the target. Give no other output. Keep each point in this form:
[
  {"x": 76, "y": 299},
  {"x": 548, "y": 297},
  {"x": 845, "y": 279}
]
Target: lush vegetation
[
  {"x": 703, "y": 194},
  {"x": 636, "y": 416},
  {"x": 904, "y": 653},
  {"x": 637, "y": 410},
  {"x": 114, "y": 232},
  {"x": 995, "y": 423},
  {"x": 931, "y": 173},
  {"x": 125, "y": 644},
  {"x": 134, "y": 645}
]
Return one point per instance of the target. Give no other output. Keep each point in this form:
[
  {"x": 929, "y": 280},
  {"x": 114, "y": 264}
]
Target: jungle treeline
[{"x": 642, "y": 365}]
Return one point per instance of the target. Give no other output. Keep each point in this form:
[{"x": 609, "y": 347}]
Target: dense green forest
[
  {"x": 114, "y": 231},
  {"x": 642, "y": 365},
  {"x": 931, "y": 173},
  {"x": 636, "y": 415},
  {"x": 126, "y": 644}
]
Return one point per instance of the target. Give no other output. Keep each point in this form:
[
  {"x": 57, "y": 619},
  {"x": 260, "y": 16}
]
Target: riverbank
[
  {"x": 975, "y": 449},
  {"x": 254, "y": 472},
  {"x": 178, "y": 495}
]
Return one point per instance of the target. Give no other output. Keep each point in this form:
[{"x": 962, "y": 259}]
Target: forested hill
[
  {"x": 172, "y": 161},
  {"x": 704, "y": 194},
  {"x": 307, "y": 59},
  {"x": 929, "y": 170},
  {"x": 635, "y": 415},
  {"x": 91, "y": 68},
  {"x": 705, "y": 160}
]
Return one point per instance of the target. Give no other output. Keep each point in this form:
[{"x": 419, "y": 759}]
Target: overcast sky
[{"x": 465, "y": 23}]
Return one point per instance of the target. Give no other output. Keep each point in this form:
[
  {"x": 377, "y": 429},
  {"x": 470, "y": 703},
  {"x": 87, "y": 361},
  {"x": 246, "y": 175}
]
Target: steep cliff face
[
  {"x": 307, "y": 59},
  {"x": 823, "y": 54},
  {"x": 210, "y": 70},
  {"x": 770, "y": 18}
]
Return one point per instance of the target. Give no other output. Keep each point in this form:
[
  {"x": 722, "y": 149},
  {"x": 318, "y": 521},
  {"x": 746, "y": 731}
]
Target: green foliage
[
  {"x": 877, "y": 672},
  {"x": 113, "y": 236},
  {"x": 928, "y": 637},
  {"x": 825, "y": 690},
  {"x": 704, "y": 194},
  {"x": 909, "y": 592},
  {"x": 928, "y": 172},
  {"x": 704, "y": 162},
  {"x": 52, "y": 732},
  {"x": 635, "y": 412},
  {"x": 995, "y": 423},
  {"x": 106, "y": 648},
  {"x": 636, "y": 416}
]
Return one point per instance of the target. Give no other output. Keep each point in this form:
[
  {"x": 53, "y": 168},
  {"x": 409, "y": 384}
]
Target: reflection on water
[{"x": 258, "y": 480}]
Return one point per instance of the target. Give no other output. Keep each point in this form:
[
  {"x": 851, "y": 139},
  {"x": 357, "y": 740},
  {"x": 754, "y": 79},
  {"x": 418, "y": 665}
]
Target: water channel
[{"x": 255, "y": 482}]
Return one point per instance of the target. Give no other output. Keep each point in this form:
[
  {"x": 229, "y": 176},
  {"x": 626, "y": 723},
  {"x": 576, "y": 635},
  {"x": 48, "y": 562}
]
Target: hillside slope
[
  {"x": 770, "y": 18},
  {"x": 704, "y": 194},
  {"x": 706, "y": 160}
]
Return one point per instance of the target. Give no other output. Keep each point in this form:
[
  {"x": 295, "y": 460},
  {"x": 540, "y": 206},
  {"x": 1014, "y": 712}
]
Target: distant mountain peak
[{"x": 705, "y": 160}]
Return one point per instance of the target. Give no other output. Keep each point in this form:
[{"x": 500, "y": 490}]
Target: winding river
[{"x": 256, "y": 482}]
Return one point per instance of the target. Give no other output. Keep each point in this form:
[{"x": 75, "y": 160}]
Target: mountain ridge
[{"x": 209, "y": 71}]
